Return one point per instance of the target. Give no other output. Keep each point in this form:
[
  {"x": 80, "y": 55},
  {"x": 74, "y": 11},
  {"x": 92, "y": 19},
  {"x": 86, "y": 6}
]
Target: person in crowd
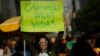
[
  {"x": 84, "y": 46},
  {"x": 7, "y": 50},
  {"x": 1, "y": 48},
  {"x": 44, "y": 46},
  {"x": 70, "y": 43},
  {"x": 53, "y": 43},
  {"x": 97, "y": 46},
  {"x": 20, "y": 49},
  {"x": 13, "y": 45}
]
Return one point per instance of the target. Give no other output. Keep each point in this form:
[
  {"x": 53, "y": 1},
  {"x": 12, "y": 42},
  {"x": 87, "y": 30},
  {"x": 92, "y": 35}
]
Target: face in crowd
[{"x": 43, "y": 43}]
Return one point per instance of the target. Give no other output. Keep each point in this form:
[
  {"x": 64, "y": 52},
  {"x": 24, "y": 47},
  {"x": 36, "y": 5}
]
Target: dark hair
[
  {"x": 37, "y": 42},
  {"x": 1, "y": 45},
  {"x": 89, "y": 35}
]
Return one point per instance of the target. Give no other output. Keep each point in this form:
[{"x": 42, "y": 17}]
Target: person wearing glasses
[{"x": 44, "y": 46}]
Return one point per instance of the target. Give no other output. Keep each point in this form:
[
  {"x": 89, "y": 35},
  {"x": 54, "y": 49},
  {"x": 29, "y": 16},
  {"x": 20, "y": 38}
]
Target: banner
[{"x": 41, "y": 16}]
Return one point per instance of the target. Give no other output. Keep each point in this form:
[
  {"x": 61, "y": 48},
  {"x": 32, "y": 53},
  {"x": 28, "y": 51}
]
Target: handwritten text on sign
[{"x": 41, "y": 16}]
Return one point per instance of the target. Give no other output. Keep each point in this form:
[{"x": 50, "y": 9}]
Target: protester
[
  {"x": 13, "y": 45},
  {"x": 44, "y": 46},
  {"x": 84, "y": 46},
  {"x": 70, "y": 43},
  {"x": 7, "y": 50},
  {"x": 20, "y": 49},
  {"x": 1, "y": 48},
  {"x": 53, "y": 44}
]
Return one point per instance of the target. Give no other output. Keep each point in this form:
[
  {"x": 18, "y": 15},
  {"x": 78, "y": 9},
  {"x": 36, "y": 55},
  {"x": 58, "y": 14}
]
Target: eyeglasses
[{"x": 43, "y": 43}]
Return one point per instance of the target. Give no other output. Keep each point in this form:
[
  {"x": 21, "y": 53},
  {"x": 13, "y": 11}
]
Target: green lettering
[
  {"x": 36, "y": 7},
  {"x": 35, "y": 24},
  {"x": 36, "y": 16},
  {"x": 42, "y": 23},
  {"x": 42, "y": 16},
  {"x": 28, "y": 7},
  {"x": 47, "y": 23}
]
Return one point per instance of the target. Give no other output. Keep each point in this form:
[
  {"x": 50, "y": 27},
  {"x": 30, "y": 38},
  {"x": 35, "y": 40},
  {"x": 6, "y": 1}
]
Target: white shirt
[{"x": 43, "y": 54}]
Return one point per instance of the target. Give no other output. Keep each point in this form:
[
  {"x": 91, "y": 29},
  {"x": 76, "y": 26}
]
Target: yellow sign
[{"x": 42, "y": 16}]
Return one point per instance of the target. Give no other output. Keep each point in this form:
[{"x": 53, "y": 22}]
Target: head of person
[
  {"x": 8, "y": 42},
  {"x": 13, "y": 43},
  {"x": 43, "y": 42},
  {"x": 89, "y": 35},
  {"x": 53, "y": 40}
]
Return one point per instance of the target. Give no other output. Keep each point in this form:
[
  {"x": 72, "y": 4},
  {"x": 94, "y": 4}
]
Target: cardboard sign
[{"x": 42, "y": 16}]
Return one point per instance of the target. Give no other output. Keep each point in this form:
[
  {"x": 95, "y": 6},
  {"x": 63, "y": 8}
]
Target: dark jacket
[{"x": 82, "y": 48}]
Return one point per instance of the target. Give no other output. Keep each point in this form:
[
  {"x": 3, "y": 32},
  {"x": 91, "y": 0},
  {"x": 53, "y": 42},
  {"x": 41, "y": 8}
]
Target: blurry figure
[
  {"x": 13, "y": 45},
  {"x": 33, "y": 39},
  {"x": 84, "y": 46},
  {"x": 62, "y": 46},
  {"x": 20, "y": 49},
  {"x": 53, "y": 44},
  {"x": 44, "y": 46},
  {"x": 97, "y": 50},
  {"x": 53, "y": 40},
  {"x": 97, "y": 46},
  {"x": 7, "y": 50},
  {"x": 70, "y": 43},
  {"x": 62, "y": 54},
  {"x": 1, "y": 48},
  {"x": 97, "y": 43}
]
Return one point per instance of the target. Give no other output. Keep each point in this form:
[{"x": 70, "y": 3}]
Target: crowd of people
[{"x": 44, "y": 46}]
